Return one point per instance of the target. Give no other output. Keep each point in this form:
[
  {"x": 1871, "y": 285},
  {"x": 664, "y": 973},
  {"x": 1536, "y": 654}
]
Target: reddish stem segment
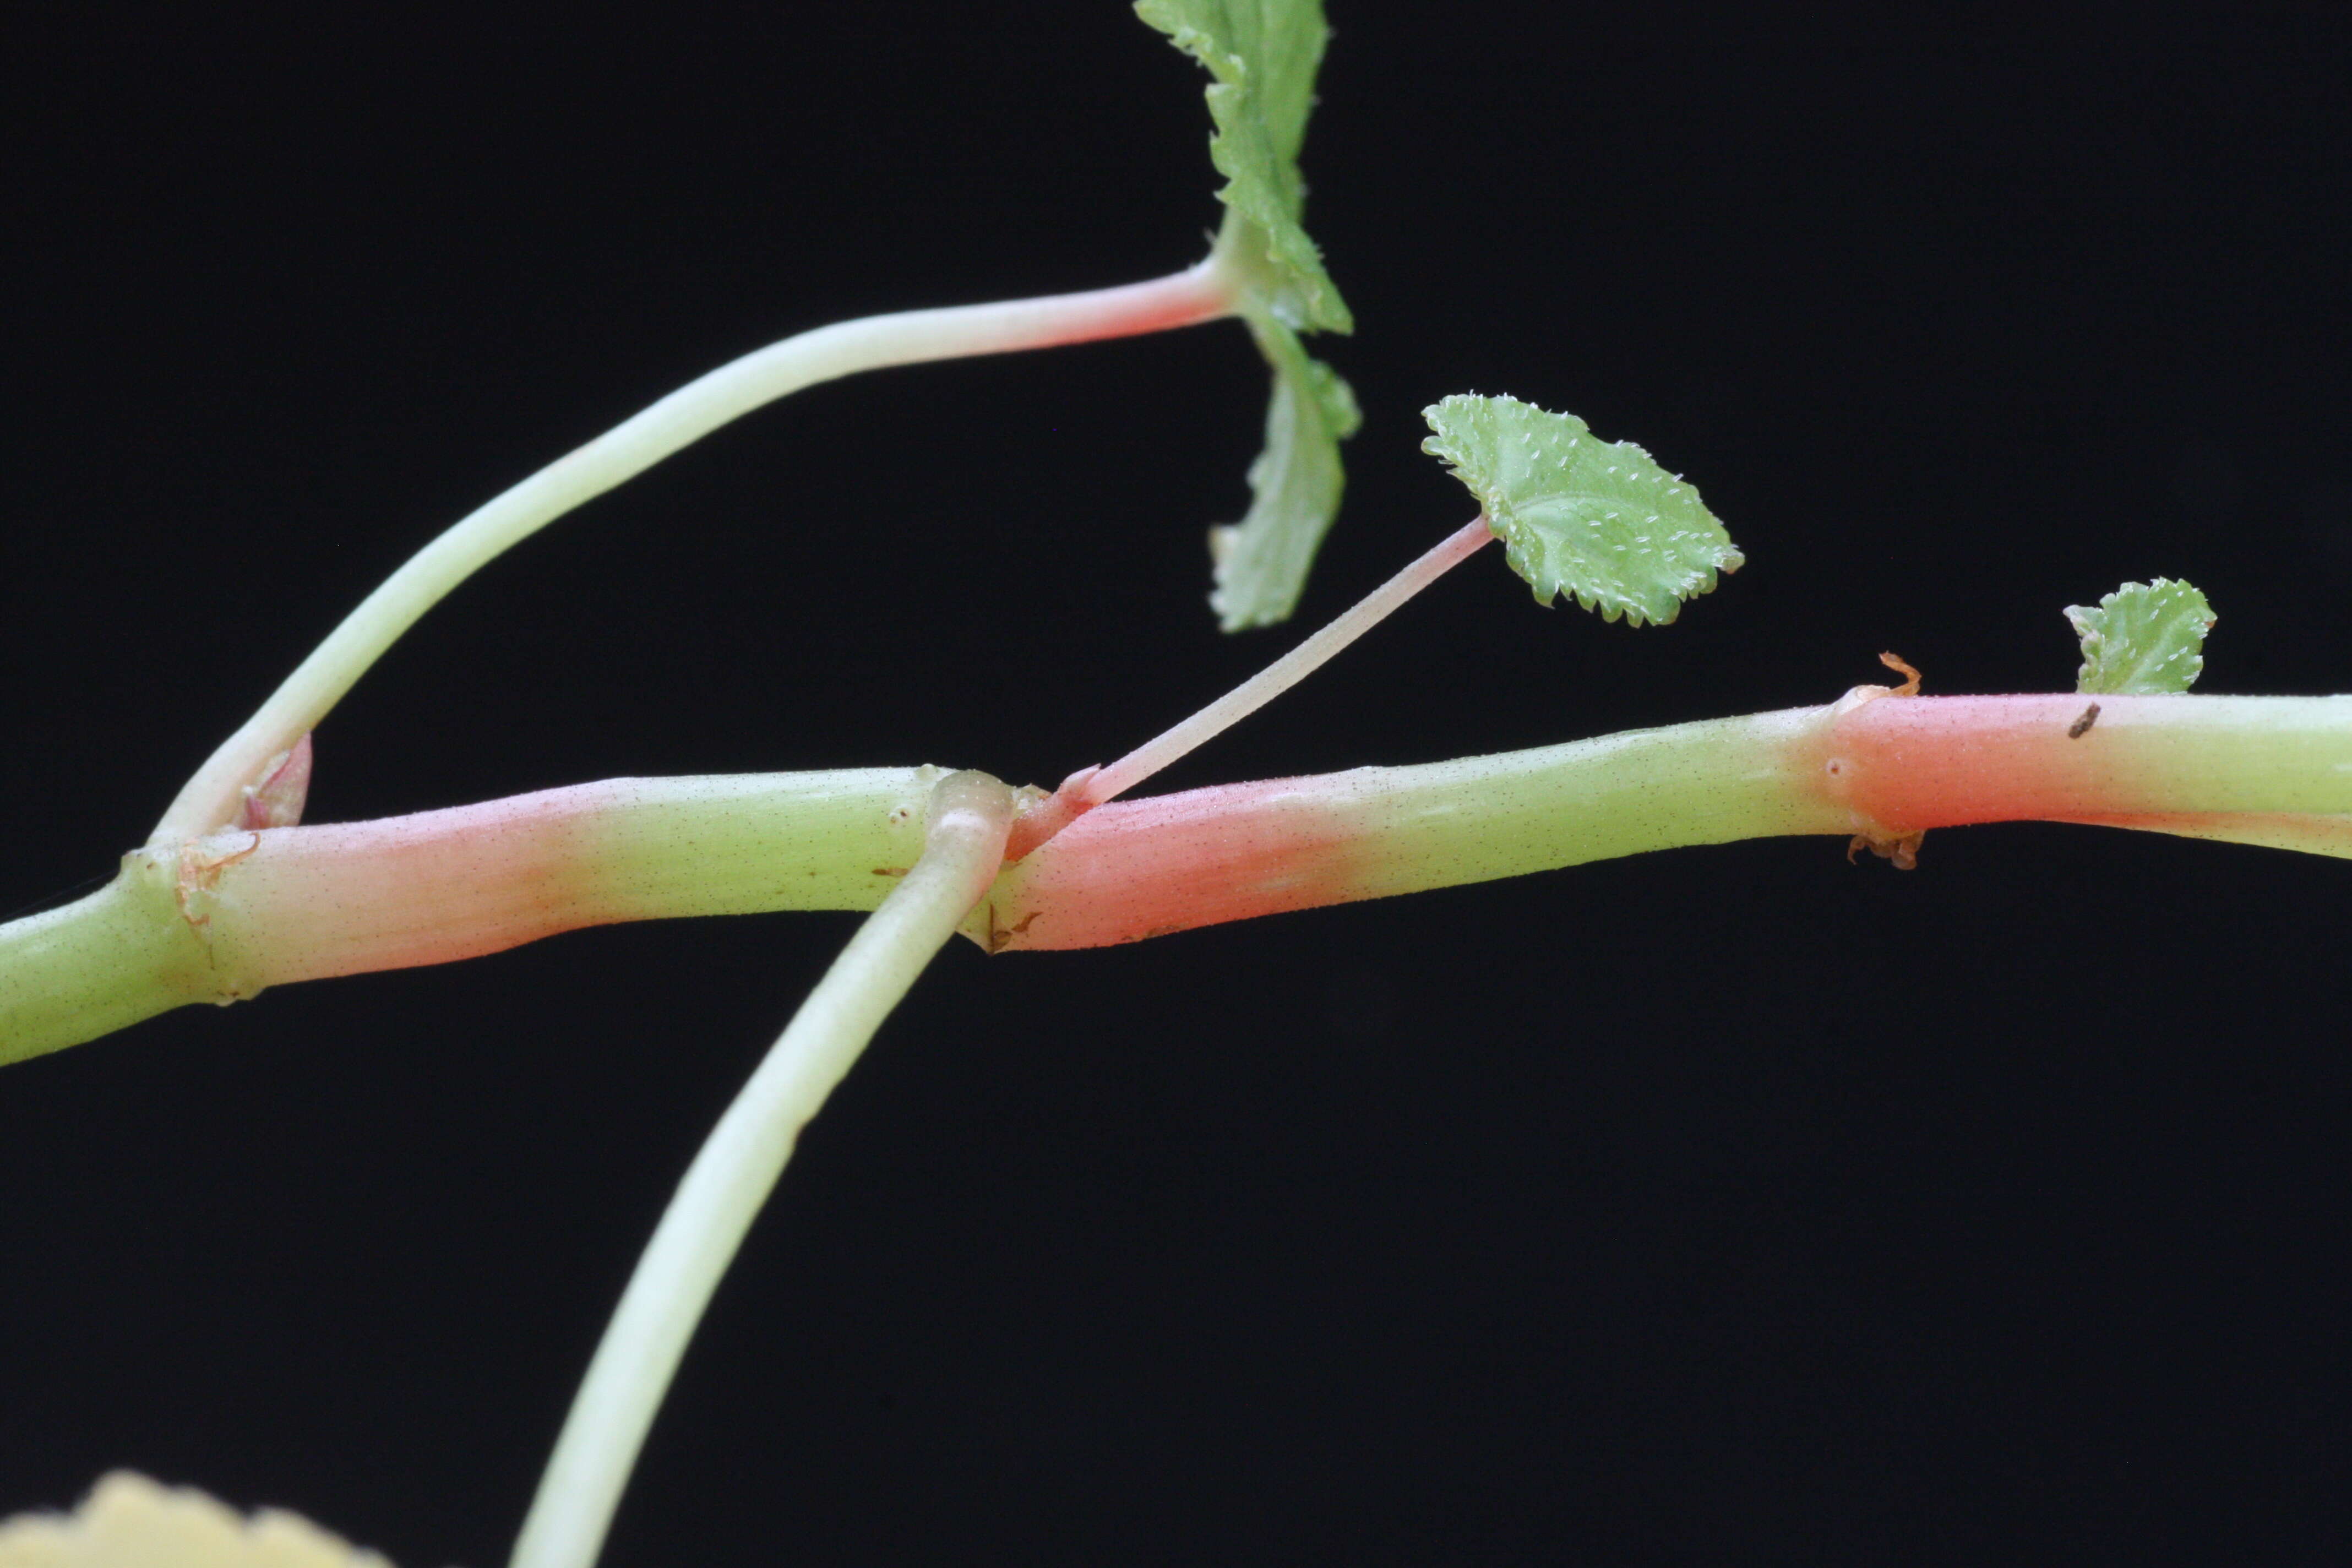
[{"x": 1912, "y": 763}]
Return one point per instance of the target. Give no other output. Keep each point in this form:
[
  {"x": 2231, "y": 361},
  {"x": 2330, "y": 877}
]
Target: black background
[{"x": 1722, "y": 1205}]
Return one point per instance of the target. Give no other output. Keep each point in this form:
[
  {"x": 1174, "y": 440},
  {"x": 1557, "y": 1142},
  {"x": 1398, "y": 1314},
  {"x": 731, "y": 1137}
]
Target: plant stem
[
  {"x": 221, "y": 917},
  {"x": 98, "y": 964},
  {"x": 2269, "y": 769},
  {"x": 345, "y": 898},
  {"x": 738, "y": 1166},
  {"x": 238, "y": 910},
  {"x": 1142, "y": 868},
  {"x": 1090, "y": 787},
  {"x": 1919, "y": 762},
  {"x": 212, "y": 798}
]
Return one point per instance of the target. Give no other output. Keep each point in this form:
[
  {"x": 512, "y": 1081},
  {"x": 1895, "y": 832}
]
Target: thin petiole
[{"x": 1088, "y": 788}]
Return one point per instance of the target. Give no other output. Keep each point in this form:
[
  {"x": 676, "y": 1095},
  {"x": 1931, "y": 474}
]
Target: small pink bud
[{"x": 277, "y": 800}]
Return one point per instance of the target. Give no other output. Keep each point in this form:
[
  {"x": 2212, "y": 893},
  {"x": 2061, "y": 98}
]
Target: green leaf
[
  {"x": 1263, "y": 54},
  {"x": 1261, "y": 561},
  {"x": 1596, "y": 520},
  {"x": 2144, "y": 639}
]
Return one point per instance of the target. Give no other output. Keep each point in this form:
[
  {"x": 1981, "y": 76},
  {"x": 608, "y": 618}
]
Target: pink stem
[{"x": 1910, "y": 763}]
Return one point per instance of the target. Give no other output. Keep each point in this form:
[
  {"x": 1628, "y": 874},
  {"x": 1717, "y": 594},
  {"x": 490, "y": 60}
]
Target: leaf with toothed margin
[
  {"x": 1596, "y": 520},
  {"x": 1263, "y": 54},
  {"x": 1261, "y": 561},
  {"x": 2144, "y": 639}
]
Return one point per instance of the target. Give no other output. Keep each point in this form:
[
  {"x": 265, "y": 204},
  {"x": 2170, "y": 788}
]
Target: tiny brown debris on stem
[
  {"x": 1000, "y": 937},
  {"x": 2081, "y": 727},
  {"x": 1861, "y": 694},
  {"x": 1902, "y": 848},
  {"x": 200, "y": 871}
]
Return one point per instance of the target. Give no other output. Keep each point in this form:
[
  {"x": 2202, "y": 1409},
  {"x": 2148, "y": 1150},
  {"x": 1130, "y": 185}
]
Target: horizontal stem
[
  {"x": 1141, "y": 869},
  {"x": 240, "y": 909},
  {"x": 342, "y": 898},
  {"x": 98, "y": 964},
  {"x": 2261, "y": 770},
  {"x": 964, "y": 841},
  {"x": 212, "y": 798},
  {"x": 1918, "y": 763}
]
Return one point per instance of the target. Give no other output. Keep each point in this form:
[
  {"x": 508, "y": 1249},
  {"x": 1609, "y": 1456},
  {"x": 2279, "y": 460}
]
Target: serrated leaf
[
  {"x": 1596, "y": 520},
  {"x": 1263, "y": 54},
  {"x": 1261, "y": 562},
  {"x": 2144, "y": 639}
]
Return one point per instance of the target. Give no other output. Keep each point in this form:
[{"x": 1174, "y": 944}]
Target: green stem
[
  {"x": 212, "y": 797},
  {"x": 221, "y": 917},
  {"x": 101, "y": 964},
  {"x": 738, "y": 1166}
]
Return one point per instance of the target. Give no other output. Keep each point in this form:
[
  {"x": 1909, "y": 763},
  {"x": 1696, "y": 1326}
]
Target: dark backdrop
[{"x": 1723, "y": 1205}]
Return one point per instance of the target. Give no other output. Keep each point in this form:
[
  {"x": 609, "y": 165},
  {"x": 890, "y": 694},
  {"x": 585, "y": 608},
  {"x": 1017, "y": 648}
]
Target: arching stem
[{"x": 214, "y": 797}]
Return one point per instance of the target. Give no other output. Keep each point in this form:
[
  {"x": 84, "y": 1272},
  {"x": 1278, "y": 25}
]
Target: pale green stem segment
[
  {"x": 731, "y": 1176},
  {"x": 219, "y": 918},
  {"x": 2273, "y": 770},
  {"x": 99, "y": 964},
  {"x": 348, "y": 897},
  {"x": 213, "y": 796}
]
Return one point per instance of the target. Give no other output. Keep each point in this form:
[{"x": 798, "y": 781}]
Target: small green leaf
[
  {"x": 1263, "y": 54},
  {"x": 2144, "y": 639},
  {"x": 1596, "y": 520},
  {"x": 1261, "y": 561}
]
